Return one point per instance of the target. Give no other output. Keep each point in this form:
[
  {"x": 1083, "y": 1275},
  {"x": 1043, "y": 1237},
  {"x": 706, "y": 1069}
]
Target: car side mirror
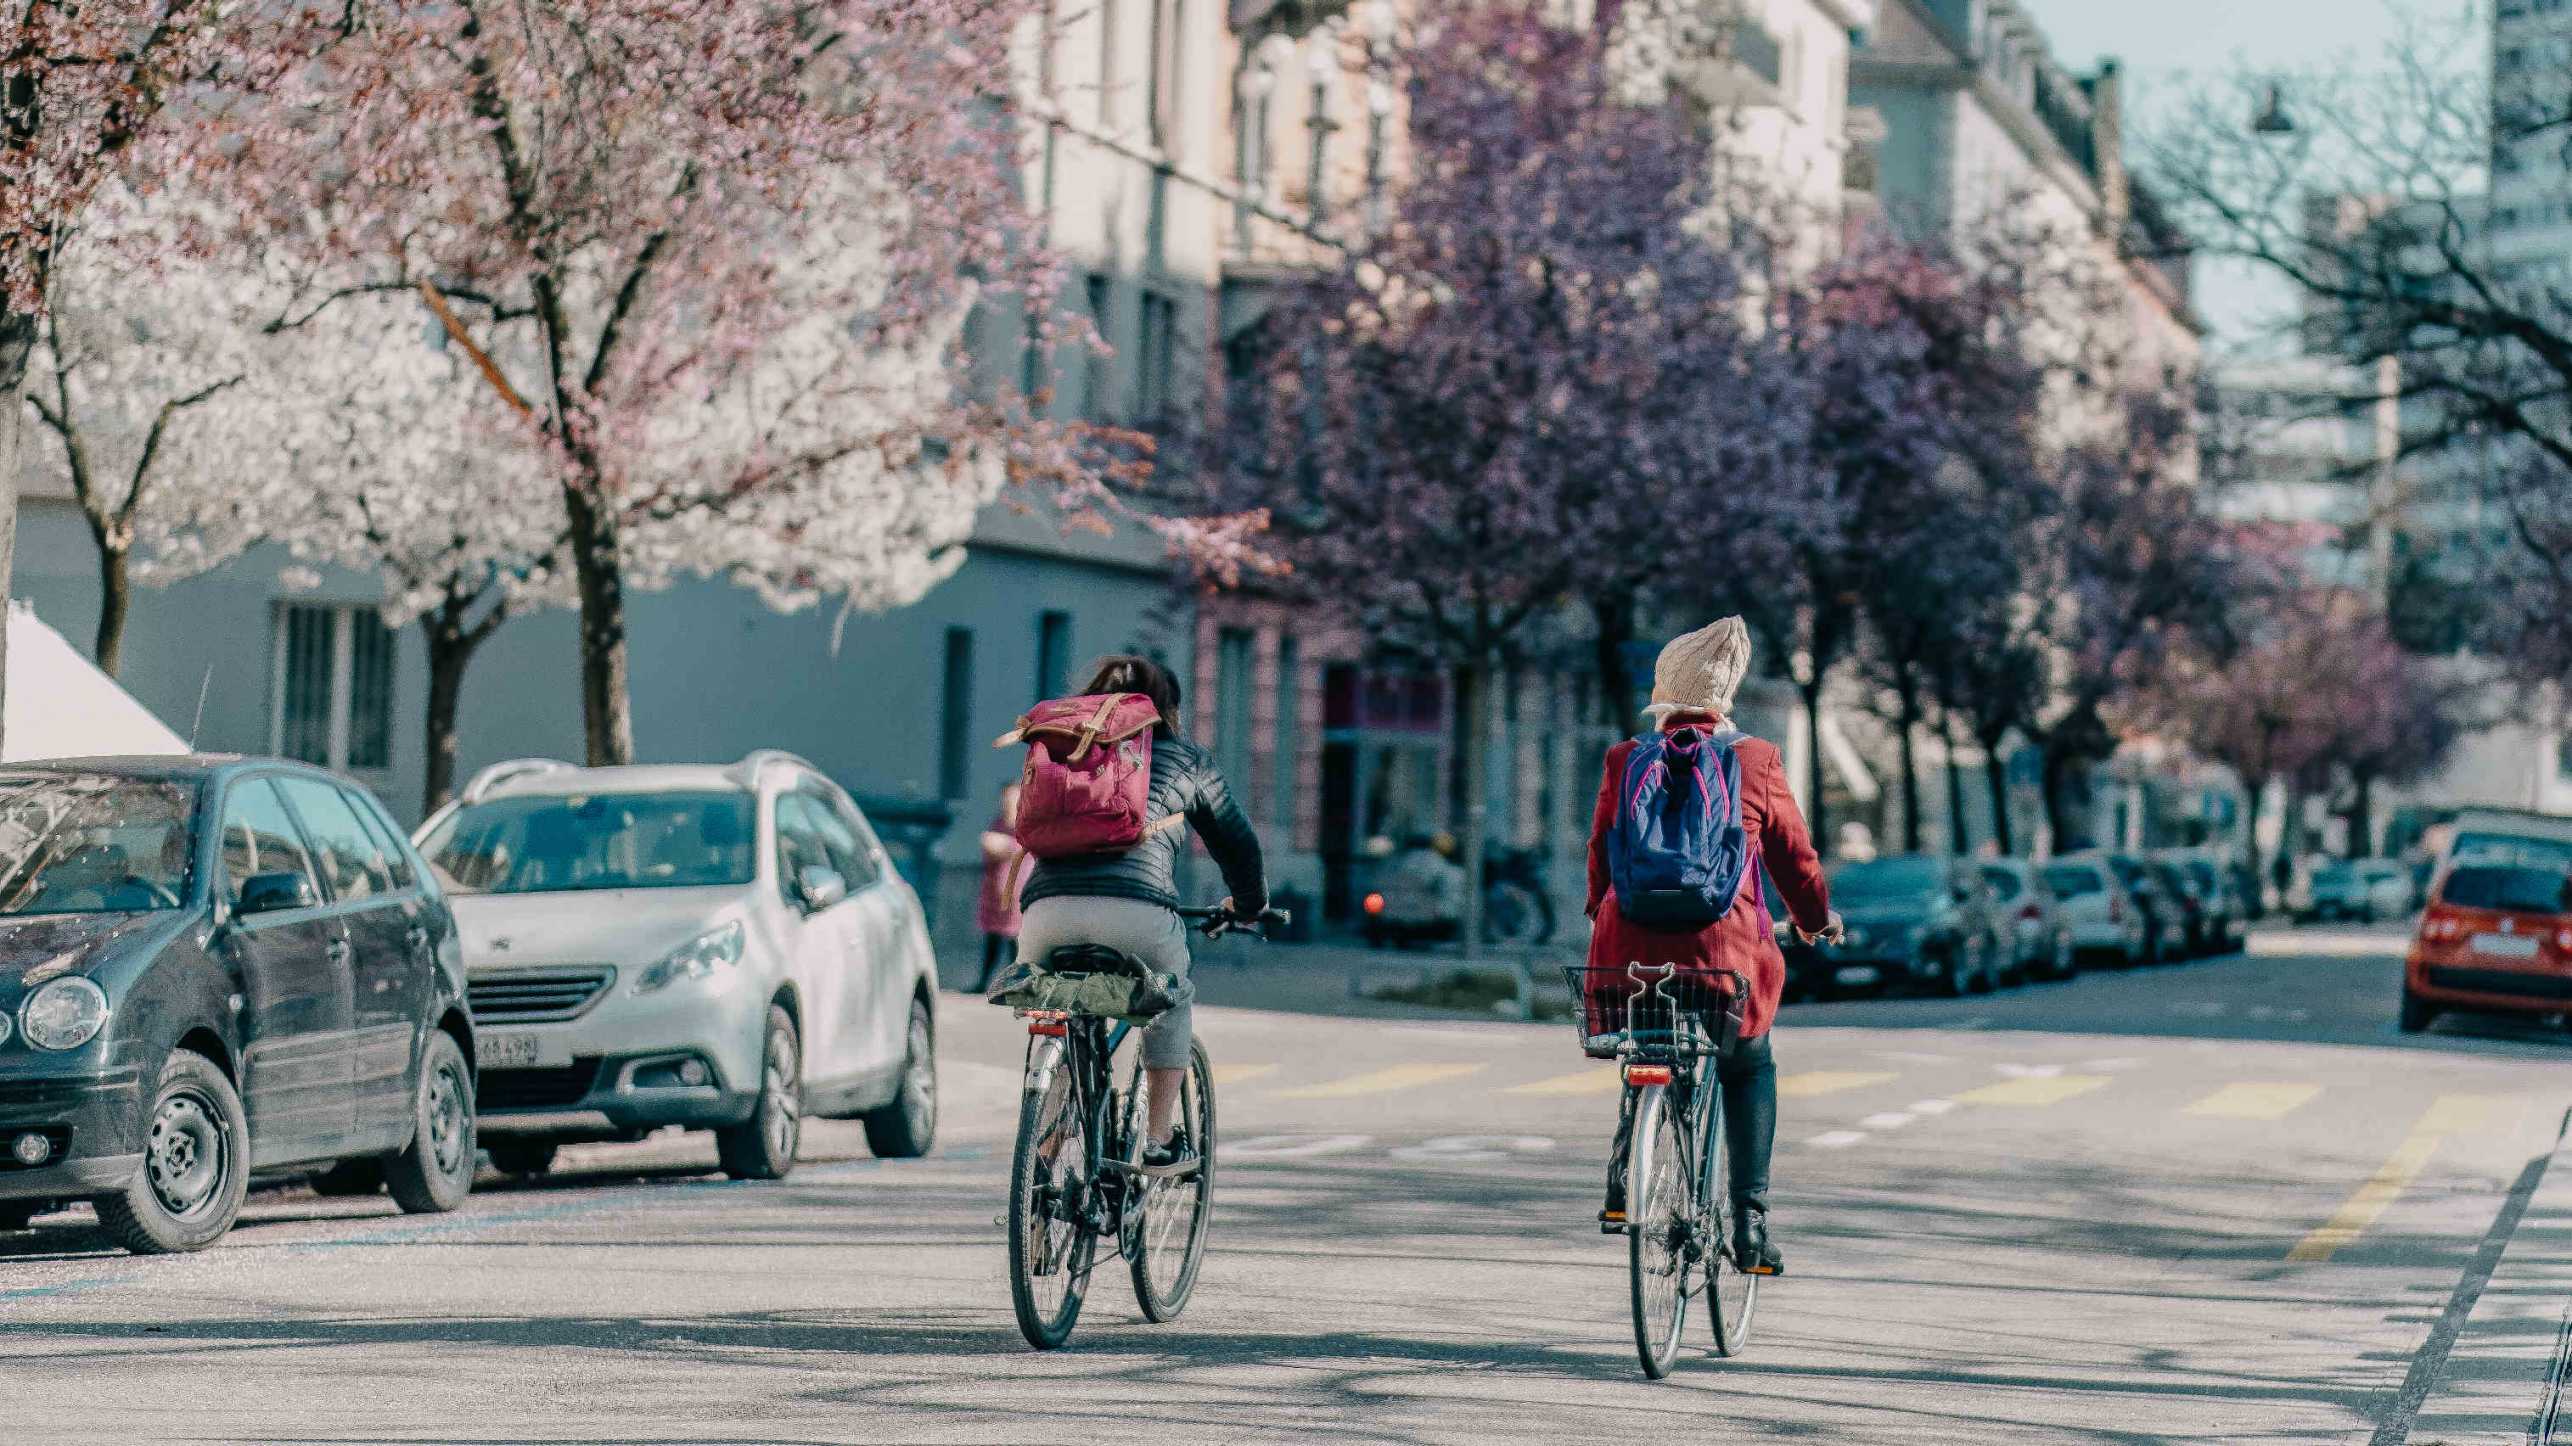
[
  {"x": 819, "y": 888},
  {"x": 274, "y": 893}
]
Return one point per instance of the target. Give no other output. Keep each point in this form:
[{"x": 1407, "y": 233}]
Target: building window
[
  {"x": 1156, "y": 356},
  {"x": 1290, "y": 735},
  {"x": 1099, "y": 290},
  {"x": 955, "y": 716},
  {"x": 1232, "y": 710},
  {"x": 1169, "y": 46},
  {"x": 1109, "y": 23},
  {"x": 334, "y": 695},
  {"x": 1053, "y": 654}
]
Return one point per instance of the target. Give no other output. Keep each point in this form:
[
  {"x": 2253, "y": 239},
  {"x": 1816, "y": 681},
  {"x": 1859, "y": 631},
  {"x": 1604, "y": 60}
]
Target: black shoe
[
  {"x": 1175, "y": 1151},
  {"x": 1753, "y": 1253},
  {"x": 1612, "y": 1218}
]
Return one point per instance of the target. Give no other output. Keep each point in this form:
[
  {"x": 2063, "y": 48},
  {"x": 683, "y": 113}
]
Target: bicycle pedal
[
  {"x": 1765, "y": 1270},
  {"x": 1611, "y": 1222}
]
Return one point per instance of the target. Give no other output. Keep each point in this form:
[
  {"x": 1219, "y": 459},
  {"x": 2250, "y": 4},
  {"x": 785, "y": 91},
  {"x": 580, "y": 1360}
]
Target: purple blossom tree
[{"x": 1486, "y": 412}]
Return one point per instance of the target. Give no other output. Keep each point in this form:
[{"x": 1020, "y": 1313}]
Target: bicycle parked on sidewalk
[
  {"x": 1078, "y": 1174},
  {"x": 1666, "y": 1029}
]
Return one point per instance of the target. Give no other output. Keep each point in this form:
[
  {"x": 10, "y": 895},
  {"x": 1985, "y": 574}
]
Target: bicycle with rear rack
[
  {"x": 1078, "y": 1175},
  {"x": 1666, "y": 1030}
]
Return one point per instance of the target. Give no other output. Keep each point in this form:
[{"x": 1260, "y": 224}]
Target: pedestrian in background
[{"x": 1003, "y": 871}]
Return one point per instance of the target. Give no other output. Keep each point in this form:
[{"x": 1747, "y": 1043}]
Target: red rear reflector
[
  {"x": 2031, "y": 912},
  {"x": 1647, "y": 1074},
  {"x": 1374, "y": 904},
  {"x": 1050, "y": 1028}
]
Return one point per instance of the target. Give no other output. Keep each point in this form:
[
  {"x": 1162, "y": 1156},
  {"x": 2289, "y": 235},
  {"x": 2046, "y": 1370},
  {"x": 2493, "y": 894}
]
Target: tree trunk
[
  {"x": 2362, "y": 810},
  {"x": 451, "y": 649},
  {"x": 2059, "y": 802},
  {"x": 2252, "y": 790},
  {"x": 1996, "y": 780},
  {"x": 606, "y": 687},
  {"x": 1474, "y": 697},
  {"x": 115, "y": 598},
  {"x": 1614, "y": 619},
  {"x": 1960, "y": 840},
  {"x": 1816, "y": 812},
  {"x": 17, "y": 343},
  {"x": 1909, "y": 724}
]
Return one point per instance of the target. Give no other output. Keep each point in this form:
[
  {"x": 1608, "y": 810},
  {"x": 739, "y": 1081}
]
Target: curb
[{"x": 2506, "y": 1376}]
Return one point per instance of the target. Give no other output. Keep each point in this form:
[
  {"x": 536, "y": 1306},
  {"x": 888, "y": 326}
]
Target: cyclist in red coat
[{"x": 1693, "y": 686}]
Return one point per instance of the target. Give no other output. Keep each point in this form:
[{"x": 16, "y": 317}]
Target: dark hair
[{"x": 1127, "y": 673}]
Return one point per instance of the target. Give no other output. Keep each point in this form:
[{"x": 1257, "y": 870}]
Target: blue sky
[{"x": 2171, "y": 44}]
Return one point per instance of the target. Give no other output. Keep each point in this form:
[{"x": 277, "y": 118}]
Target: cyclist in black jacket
[{"x": 1129, "y": 901}]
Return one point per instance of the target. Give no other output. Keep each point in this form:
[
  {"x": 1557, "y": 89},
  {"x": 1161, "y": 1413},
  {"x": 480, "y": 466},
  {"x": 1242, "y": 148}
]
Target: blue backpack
[{"x": 1677, "y": 853}]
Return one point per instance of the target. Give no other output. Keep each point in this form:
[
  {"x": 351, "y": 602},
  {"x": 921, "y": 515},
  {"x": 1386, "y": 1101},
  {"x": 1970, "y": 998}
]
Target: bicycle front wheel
[
  {"x": 1661, "y": 1210},
  {"x": 1170, "y": 1236},
  {"x": 1050, "y": 1242},
  {"x": 1732, "y": 1294}
]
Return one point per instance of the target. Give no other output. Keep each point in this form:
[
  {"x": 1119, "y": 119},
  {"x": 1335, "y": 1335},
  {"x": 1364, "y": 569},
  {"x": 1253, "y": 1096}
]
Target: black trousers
[
  {"x": 1748, "y": 1091},
  {"x": 999, "y": 951}
]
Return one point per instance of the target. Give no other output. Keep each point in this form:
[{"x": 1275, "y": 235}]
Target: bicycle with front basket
[
  {"x": 1078, "y": 1175},
  {"x": 1666, "y": 1030}
]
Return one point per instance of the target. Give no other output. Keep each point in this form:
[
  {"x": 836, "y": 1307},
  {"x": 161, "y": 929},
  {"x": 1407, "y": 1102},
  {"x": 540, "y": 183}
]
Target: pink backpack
[{"x": 1089, "y": 775}]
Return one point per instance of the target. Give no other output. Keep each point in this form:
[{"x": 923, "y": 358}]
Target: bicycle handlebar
[{"x": 1218, "y": 921}]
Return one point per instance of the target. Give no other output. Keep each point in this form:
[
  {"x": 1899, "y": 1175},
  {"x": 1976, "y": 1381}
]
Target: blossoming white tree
[{"x": 712, "y": 258}]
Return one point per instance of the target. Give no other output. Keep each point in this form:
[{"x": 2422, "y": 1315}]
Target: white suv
[{"x": 722, "y": 948}]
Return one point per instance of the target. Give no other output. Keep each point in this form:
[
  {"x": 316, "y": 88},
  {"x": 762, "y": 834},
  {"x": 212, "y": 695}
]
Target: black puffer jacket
[{"x": 1184, "y": 781}]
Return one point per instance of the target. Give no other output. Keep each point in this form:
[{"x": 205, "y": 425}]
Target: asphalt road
[{"x": 2210, "y": 1202}]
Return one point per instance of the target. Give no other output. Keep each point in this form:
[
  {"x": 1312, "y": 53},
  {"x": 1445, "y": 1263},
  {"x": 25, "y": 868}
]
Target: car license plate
[
  {"x": 1856, "y": 974},
  {"x": 2504, "y": 946},
  {"x": 509, "y": 1051}
]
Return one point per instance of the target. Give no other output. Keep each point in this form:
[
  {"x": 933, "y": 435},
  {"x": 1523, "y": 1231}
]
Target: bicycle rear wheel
[
  {"x": 1660, "y": 1213},
  {"x": 1050, "y": 1242},
  {"x": 1170, "y": 1234},
  {"x": 1732, "y": 1295}
]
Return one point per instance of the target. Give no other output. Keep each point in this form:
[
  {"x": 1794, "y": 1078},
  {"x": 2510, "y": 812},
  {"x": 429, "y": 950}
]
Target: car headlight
[
  {"x": 65, "y": 1014},
  {"x": 708, "y": 953}
]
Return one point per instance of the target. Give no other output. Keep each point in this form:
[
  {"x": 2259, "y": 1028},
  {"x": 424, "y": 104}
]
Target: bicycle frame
[{"x": 1087, "y": 1046}]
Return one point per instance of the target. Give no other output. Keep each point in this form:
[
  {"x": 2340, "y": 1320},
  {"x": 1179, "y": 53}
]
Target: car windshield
[
  {"x": 94, "y": 843},
  {"x": 2005, "y": 883},
  {"x": 2072, "y": 883},
  {"x": 2502, "y": 886},
  {"x": 542, "y": 844},
  {"x": 1879, "y": 879}
]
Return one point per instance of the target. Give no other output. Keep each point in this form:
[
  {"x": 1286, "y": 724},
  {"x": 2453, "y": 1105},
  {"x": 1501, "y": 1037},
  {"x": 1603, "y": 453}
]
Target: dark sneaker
[
  {"x": 1176, "y": 1151},
  {"x": 1612, "y": 1217},
  {"x": 1753, "y": 1253}
]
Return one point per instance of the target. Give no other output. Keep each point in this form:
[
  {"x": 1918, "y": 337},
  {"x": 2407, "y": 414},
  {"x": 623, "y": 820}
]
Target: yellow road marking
[
  {"x": 2360, "y": 1210},
  {"x": 1226, "y": 1074},
  {"x": 1826, "y": 1082},
  {"x": 2255, "y": 1101},
  {"x": 1382, "y": 1081},
  {"x": 2050, "y": 1089},
  {"x": 2446, "y": 1115},
  {"x": 1598, "y": 1079}
]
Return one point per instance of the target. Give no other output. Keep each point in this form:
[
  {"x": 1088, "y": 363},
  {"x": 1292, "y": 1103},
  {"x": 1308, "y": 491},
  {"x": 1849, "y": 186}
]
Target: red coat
[{"x": 1740, "y": 940}]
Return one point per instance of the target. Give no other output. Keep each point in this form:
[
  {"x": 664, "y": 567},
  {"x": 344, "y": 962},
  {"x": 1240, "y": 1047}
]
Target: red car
[{"x": 2497, "y": 935}]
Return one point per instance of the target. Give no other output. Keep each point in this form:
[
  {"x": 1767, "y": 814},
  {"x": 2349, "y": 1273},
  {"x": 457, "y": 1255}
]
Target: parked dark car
[
  {"x": 2194, "y": 936},
  {"x": 1915, "y": 919},
  {"x": 212, "y": 969},
  {"x": 2223, "y": 925}
]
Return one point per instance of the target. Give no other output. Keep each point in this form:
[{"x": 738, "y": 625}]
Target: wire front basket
[{"x": 1655, "y": 1009}]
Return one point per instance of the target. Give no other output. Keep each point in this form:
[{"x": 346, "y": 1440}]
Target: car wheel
[
  {"x": 904, "y": 1129},
  {"x": 435, "y": 1174},
  {"x": 196, "y": 1164},
  {"x": 1511, "y": 915},
  {"x": 763, "y": 1146},
  {"x": 1991, "y": 975},
  {"x": 1957, "y": 980},
  {"x": 349, "y": 1179},
  {"x": 2417, "y": 1013},
  {"x": 523, "y": 1159}
]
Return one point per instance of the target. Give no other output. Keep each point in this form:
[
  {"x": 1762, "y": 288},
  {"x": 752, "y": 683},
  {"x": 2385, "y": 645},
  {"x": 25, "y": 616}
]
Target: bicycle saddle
[{"x": 1094, "y": 959}]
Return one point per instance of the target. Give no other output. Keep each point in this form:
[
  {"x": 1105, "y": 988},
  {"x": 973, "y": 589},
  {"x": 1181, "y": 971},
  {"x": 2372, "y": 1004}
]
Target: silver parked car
[
  {"x": 718, "y": 947},
  {"x": 2098, "y": 910},
  {"x": 2041, "y": 944}
]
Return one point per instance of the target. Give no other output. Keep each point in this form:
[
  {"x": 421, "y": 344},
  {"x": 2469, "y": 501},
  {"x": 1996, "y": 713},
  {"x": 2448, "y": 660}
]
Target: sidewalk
[
  {"x": 1326, "y": 977},
  {"x": 2503, "y": 1382}
]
